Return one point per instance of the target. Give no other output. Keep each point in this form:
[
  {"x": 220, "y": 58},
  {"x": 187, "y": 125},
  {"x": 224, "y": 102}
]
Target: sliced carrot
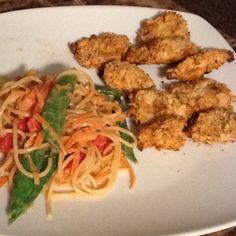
[
  {"x": 131, "y": 171},
  {"x": 28, "y": 102},
  {"x": 3, "y": 180},
  {"x": 39, "y": 139},
  {"x": 42, "y": 91},
  {"x": 102, "y": 174},
  {"x": 40, "y": 100}
]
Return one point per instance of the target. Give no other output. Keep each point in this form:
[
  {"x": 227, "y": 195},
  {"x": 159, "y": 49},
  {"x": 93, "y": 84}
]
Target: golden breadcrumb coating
[
  {"x": 202, "y": 94},
  {"x": 142, "y": 106},
  {"x": 95, "y": 51},
  {"x": 214, "y": 126},
  {"x": 167, "y": 104},
  {"x": 195, "y": 66},
  {"x": 168, "y": 24},
  {"x": 149, "y": 104},
  {"x": 164, "y": 133},
  {"x": 126, "y": 76},
  {"x": 162, "y": 51}
]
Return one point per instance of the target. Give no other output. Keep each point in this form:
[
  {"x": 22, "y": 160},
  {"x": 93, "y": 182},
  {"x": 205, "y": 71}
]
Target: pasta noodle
[{"x": 90, "y": 147}]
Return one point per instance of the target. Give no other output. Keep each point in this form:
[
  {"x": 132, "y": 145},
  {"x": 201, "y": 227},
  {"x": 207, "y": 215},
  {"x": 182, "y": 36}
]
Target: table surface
[{"x": 221, "y": 14}]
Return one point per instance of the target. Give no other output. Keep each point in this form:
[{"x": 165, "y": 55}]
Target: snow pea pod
[
  {"x": 117, "y": 95},
  {"x": 25, "y": 191}
]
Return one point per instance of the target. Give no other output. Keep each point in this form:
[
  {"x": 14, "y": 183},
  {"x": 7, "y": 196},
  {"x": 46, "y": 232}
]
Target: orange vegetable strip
[
  {"x": 38, "y": 140},
  {"x": 3, "y": 180},
  {"x": 131, "y": 171}
]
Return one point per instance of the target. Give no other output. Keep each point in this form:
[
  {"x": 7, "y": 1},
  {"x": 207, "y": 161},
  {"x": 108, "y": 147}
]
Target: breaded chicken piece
[
  {"x": 162, "y": 51},
  {"x": 202, "y": 94},
  {"x": 95, "y": 51},
  {"x": 150, "y": 104},
  {"x": 167, "y": 25},
  {"x": 195, "y": 66},
  {"x": 126, "y": 76},
  {"x": 167, "y": 104},
  {"x": 164, "y": 133},
  {"x": 142, "y": 106},
  {"x": 214, "y": 126}
]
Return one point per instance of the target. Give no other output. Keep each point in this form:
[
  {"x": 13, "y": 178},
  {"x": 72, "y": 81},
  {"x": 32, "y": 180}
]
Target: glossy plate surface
[{"x": 191, "y": 191}]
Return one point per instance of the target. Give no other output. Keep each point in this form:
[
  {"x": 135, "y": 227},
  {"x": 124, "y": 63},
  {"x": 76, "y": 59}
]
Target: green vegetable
[
  {"x": 113, "y": 94},
  {"x": 128, "y": 151},
  {"x": 56, "y": 106},
  {"x": 117, "y": 95},
  {"x": 25, "y": 191}
]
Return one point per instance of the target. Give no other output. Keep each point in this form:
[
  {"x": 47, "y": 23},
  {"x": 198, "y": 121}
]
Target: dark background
[{"x": 220, "y": 13}]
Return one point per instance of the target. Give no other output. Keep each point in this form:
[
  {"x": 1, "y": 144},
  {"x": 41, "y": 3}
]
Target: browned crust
[
  {"x": 165, "y": 133},
  {"x": 95, "y": 51},
  {"x": 162, "y": 51},
  {"x": 214, "y": 126},
  {"x": 202, "y": 94},
  {"x": 194, "y": 67},
  {"x": 126, "y": 76},
  {"x": 166, "y": 25}
]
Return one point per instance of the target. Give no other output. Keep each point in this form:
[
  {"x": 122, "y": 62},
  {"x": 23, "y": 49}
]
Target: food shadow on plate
[
  {"x": 161, "y": 74},
  {"x": 54, "y": 68},
  {"x": 13, "y": 74}
]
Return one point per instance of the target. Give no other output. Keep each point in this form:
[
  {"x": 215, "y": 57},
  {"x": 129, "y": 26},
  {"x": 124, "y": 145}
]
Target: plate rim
[{"x": 30, "y": 10}]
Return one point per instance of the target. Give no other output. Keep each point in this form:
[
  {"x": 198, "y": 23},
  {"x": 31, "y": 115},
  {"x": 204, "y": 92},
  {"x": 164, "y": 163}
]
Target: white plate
[{"x": 192, "y": 191}]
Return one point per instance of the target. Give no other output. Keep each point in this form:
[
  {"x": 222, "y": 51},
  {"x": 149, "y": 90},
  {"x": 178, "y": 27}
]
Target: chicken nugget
[
  {"x": 95, "y": 51},
  {"x": 162, "y": 51},
  {"x": 194, "y": 67},
  {"x": 214, "y": 126},
  {"x": 167, "y": 104},
  {"x": 202, "y": 94},
  {"x": 126, "y": 76},
  {"x": 167, "y": 25},
  {"x": 164, "y": 133},
  {"x": 142, "y": 106},
  {"x": 149, "y": 104}
]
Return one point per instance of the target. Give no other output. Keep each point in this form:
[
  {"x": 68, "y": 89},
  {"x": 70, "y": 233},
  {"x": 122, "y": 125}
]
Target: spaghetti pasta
[{"x": 90, "y": 152}]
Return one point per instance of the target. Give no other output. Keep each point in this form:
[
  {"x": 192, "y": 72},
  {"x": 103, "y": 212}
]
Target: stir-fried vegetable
[
  {"x": 25, "y": 191},
  {"x": 117, "y": 95}
]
